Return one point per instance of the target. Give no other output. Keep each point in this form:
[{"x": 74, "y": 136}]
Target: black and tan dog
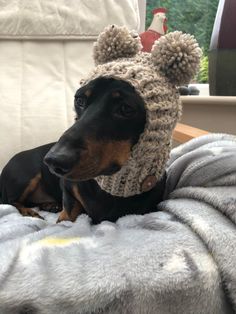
[{"x": 110, "y": 116}]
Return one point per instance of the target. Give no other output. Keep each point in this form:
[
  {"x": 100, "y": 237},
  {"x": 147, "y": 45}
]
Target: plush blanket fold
[
  {"x": 179, "y": 260},
  {"x": 63, "y": 19}
]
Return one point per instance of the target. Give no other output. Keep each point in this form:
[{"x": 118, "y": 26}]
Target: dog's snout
[{"x": 58, "y": 164}]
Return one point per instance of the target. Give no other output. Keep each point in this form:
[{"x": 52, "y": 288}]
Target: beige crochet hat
[{"x": 173, "y": 61}]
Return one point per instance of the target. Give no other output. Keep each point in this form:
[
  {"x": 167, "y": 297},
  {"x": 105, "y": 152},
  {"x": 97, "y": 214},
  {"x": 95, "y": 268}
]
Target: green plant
[{"x": 202, "y": 76}]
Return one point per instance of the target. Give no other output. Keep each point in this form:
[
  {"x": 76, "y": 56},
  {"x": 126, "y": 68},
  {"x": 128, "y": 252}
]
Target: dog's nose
[{"x": 59, "y": 164}]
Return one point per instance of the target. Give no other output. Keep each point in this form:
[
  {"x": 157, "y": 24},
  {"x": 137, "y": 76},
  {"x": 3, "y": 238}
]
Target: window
[{"x": 189, "y": 16}]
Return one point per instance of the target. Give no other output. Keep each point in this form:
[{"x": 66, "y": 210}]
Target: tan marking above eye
[
  {"x": 88, "y": 92},
  {"x": 115, "y": 94}
]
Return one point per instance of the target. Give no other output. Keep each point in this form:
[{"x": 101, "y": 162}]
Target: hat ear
[
  {"x": 115, "y": 42},
  {"x": 178, "y": 56}
]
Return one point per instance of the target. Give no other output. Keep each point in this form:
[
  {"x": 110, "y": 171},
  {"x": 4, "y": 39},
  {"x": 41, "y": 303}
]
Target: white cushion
[
  {"x": 62, "y": 18},
  {"x": 38, "y": 78}
]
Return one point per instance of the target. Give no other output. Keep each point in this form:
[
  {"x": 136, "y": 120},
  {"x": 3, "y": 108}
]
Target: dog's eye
[
  {"x": 125, "y": 111},
  {"x": 80, "y": 102}
]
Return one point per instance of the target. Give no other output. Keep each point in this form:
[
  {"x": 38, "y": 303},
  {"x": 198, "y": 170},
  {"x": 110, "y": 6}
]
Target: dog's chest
[{"x": 100, "y": 205}]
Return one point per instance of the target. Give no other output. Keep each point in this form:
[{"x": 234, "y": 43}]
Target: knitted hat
[{"x": 173, "y": 61}]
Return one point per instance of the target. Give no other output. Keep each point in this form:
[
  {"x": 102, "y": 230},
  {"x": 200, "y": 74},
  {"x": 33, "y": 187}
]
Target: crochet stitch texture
[{"x": 174, "y": 60}]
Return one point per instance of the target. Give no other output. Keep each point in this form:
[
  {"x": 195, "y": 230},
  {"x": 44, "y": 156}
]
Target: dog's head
[{"x": 110, "y": 116}]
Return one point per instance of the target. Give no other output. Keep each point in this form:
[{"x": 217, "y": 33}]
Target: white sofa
[{"x": 45, "y": 49}]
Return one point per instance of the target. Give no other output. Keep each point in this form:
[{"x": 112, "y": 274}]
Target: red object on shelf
[{"x": 156, "y": 29}]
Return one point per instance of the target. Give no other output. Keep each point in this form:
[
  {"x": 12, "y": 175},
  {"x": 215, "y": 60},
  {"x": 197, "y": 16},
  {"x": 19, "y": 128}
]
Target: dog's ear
[
  {"x": 177, "y": 55},
  {"x": 115, "y": 42}
]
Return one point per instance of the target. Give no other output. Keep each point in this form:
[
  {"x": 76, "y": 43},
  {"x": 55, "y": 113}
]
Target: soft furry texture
[
  {"x": 115, "y": 42},
  {"x": 180, "y": 260},
  {"x": 174, "y": 60},
  {"x": 177, "y": 56}
]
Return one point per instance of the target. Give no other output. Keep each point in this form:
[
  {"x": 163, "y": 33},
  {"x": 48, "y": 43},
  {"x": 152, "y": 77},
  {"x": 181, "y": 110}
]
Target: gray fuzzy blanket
[{"x": 179, "y": 260}]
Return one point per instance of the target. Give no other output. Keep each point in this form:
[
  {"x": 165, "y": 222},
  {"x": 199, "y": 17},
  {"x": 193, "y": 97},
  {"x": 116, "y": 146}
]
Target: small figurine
[{"x": 157, "y": 28}]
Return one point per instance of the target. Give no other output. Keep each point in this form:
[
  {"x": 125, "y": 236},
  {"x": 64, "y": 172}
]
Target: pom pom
[
  {"x": 178, "y": 56},
  {"x": 115, "y": 42}
]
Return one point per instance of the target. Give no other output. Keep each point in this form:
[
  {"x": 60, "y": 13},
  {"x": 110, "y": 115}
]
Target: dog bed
[{"x": 180, "y": 259}]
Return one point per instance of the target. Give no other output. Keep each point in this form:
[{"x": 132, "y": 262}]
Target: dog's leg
[
  {"x": 76, "y": 211},
  {"x": 31, "y": 188},
  {"x": 72, "y": 207}
]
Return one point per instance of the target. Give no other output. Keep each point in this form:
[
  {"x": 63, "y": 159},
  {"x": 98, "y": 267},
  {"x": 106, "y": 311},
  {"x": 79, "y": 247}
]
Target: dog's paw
[
  {"x": 63, "y": 216},
  {"x": 26, "y": 211}
]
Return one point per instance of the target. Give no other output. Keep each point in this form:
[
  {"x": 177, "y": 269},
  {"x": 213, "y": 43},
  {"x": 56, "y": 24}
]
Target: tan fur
[
  {"x": 32, "y": 186},
  {"x": 63, "y": 216},
  {"x": 76, "y": 210},
  {"x": 77, "y": 195},
  {"x": 115, "y": 94},
  {"x": 88, "y": 92},
  {"x": 116, "y": 151},
  {"x": 99, "y": 156},
  {"x": 26, "y": 211}
]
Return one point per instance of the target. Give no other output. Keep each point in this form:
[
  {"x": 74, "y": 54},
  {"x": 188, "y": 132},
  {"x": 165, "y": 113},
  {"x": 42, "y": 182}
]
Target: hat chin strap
[
  {"x": 123, "y": 188},
  {"x": 124, "y": 183}
]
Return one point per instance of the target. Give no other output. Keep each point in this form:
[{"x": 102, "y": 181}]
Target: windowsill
[
  {"x": 209, "y": 100},
  {"x": 205, "y": 98},
  {"x": 210, "y": 113}
]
